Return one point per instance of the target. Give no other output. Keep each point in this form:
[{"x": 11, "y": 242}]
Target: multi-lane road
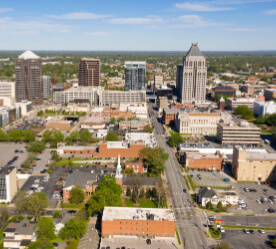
[{"x": 189, "y": 220}]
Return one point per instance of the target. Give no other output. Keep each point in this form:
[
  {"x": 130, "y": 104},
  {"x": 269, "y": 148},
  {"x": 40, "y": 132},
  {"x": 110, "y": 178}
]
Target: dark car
[
  {"x": 252, "y": 190},
  {"x": 265, "y": 190},
  {"x": 184, "y": 190},
  {"x": 43, "y": 171},
  {"x": 252, "y": 231},
  {"x": 71, "y": 211},
  {"x": 55, "y": 244},
  {"x": 191, "y": 175},
  {"x": 270, "y": 210}
]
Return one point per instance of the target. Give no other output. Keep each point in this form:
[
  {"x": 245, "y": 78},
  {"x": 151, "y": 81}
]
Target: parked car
[
  {"x": 265, "y": 190},
  {"x": 246, "y": 231},
  {"x": 252, "y": 231},
  {"x": 43, "y": 171},
  {"x": 261, "y": 231},
  {"x": 226, "y": 180},
  {"x": 222, "y": 230},
  {"x": 246, "y": 189}
]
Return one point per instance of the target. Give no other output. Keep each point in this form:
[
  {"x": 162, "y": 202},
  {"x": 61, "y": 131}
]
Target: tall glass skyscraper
[{"x": 135, "y": 73}]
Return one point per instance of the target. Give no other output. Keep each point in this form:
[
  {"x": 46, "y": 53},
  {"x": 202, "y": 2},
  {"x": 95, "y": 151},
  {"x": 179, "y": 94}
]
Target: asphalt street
[
  {"x": 189, "y": 220},
  {"x": 258, "y": 221}
]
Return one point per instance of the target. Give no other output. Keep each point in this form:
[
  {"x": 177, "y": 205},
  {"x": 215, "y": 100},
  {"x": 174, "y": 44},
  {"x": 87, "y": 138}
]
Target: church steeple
[{"x": 119, "y": 176}]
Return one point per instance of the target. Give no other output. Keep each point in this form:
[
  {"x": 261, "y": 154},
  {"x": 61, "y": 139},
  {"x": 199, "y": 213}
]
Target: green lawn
[
  {"x": 242, "y": 227},
  {"x": 178, "y": 237},
  {"x": 143, "y": 203},
  {"x": 267, "y": 131},
  {"x": 214, "y": 233},
  {"x": 72, "y": 206}
]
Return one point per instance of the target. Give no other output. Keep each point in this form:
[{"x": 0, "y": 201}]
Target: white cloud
[
  {"x": 196, "y": 6},
  {"x": 242, "y": 29},
  {"x": 190, "y": 21},
  {"x": 138, "y": 20},
  {"x": 12, "y": 26},
  {"x": 238, "y": 2},
  {"x": 5, "y": 10},
  {"x": 270, "y": 12},
  {"x": 99, "y": 34},
  {"x": 80, "y": 16}
]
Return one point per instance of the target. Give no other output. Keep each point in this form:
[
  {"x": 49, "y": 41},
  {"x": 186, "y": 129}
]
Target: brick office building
[
  {"x": 137, "y": 166},
  {"x": 196, "y": 160},
  {"x": 149, "y": 222},
  {"x": 169, "y": 115}
]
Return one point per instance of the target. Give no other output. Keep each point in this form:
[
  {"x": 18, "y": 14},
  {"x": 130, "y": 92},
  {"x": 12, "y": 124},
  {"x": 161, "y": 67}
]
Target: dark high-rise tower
[
  {"x": 89, "y": 72},
  {"x": 28, "y": 81},
  {"x": 191, "y": 77},
  {"x": 135, "y": 73}
]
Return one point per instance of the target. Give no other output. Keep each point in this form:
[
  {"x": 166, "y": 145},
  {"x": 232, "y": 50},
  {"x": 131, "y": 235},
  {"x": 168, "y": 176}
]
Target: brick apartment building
[
  {"x": 169, "y": 115},
  {"x": 149, "y": 222}
]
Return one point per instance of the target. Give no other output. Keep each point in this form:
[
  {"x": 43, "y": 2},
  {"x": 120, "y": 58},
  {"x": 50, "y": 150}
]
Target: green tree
[
  {"x": 4, "y": 217},
  {"x": 128, "y": 192},
  {"x": 154, "y": 193},
  {"x": 15, "y": 135},
  {"x": 28, "y": 135},
  {"x": 55, "y": 157},
  {"x": 36, "y": 146},
  {"x": 153, "y": 159},
  {"x": 219, "y": 205},
  {"x": 148, "y": 128},
  {"x": 142, "y": 193},
  {"x": 175, "y": 139},
  {"x": 40, "y": 113},
  {"x": 77, "y": 194},
  {"x": 85, "y": 136},
  {"x": 41, "y": 244},
  {"x": 56, "y": 137},
  {"x": 109, "y": 182},
  {"x": 111, "y": 136},
  {"x": 36, "y": 204},
  {"x": 74, "y": 136},
  {"x": 47, "y": 136},
  {"x": 148, "y": 193},
  {"x": 74, "y": 229},
  {"x": 3, "y": 135},
  {"x": 273, "y": 243},
  {"x": 56, "y": 214},
  {"x": 244, "y": 112},
  {"x": 135, "y": 194},
  {"x": 72, "y": 244},
  {"x": 120, "y": 119},
  {"x": 112, "y": 120},
  {"x": 209, "y": 205},
  {"x": 45, "y": 228},
  {"x": 21, "y": 202}
]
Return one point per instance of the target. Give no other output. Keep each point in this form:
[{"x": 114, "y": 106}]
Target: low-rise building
[
  {"x": 223, "y": 91},
  {"x": 19, "y": 234},
  {"x": 149, "y": 222},
  {"x": 101, "y": 133},
  {"x": 197, "y": 123},
  {"x": 242, "y": 133},
  {"x": 233, "y": 103},
  {"x": 207, "y": 194},
  {"x": 93, "y": 123},
  {"x": 164, "y": 91},
  {"x": 87, "y": 181},
  {"x": 137, "y": 166},
  {"x": 169, "y": 115},
  {"x": 9, "y": 115},
  {"x": 133, "y": 125},
  {"x": 143, "y": 137},
  {"x": 252, "y": 166},
  {"x": 76, "y": 150},
  {"x": 62, "y": 125},
  {"x": 263, "y": 108},
  {"x": 139, "y": 110},
  {"x": 8, "y": 188},
  {"x": 202, "y": 161}
]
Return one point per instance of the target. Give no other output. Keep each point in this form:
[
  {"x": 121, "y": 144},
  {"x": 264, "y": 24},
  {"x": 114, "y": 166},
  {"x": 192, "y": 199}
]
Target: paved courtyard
[{"x": 8, "y": 153}]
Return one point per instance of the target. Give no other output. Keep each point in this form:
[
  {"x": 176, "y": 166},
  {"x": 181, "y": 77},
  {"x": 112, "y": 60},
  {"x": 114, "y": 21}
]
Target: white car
[
  {"x": 56, "y": 196},
  {"x": 246, "y": 189},
  {"x": 246, "y": 231},
  {"x": 258, "y": 201},
  {"x": 222, "y": 230},
  {"x": 261, "y": 231}
]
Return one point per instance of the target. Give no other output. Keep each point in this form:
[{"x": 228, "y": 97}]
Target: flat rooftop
[
  {"x": 80, "y": 148},
  {"x": 125, "y": 213},
  {"x": 6, "y": 170},
  {"x": 261, "y": 156},
  {"x": 243, "y": 125}
]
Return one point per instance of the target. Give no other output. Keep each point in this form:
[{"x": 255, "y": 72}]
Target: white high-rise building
[
  {"x": 46, "y": 87},
  {"x": 191, "y": 77}
]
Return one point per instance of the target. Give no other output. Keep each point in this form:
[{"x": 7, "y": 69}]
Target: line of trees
[
  {"x": 17, "y": 135},
  {"x": 84, "y": 137}
]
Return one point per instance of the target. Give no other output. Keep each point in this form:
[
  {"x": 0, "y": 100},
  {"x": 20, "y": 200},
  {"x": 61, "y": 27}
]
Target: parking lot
[
  {"x": 240, "y": 240},
  {"x": 250, "y": 198},
  {"x": 8, "y": 153},
  {"x": 208, "y": 179}
]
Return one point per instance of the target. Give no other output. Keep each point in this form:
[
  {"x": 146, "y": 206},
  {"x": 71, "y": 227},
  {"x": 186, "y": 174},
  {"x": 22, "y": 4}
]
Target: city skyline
[{"x": 241, "y": 25}]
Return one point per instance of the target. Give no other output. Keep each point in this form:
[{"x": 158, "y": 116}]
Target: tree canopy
[
  {"x": 74, "y": 228},
  {"x": 244, "y": 112},
  {"x": 36, "y": 146},
  {"x": 154, "y": 159},
  {"x": 85, "y": 136},
  {"x": 175, "y": 139},
  {"x": 45, "y": 228},
  {"x": 77, "y": 194},
  {"x": 111, "y": 136}
]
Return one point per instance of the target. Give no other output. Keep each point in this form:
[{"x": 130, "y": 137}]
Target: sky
[{"x": 144, "y": 25}]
